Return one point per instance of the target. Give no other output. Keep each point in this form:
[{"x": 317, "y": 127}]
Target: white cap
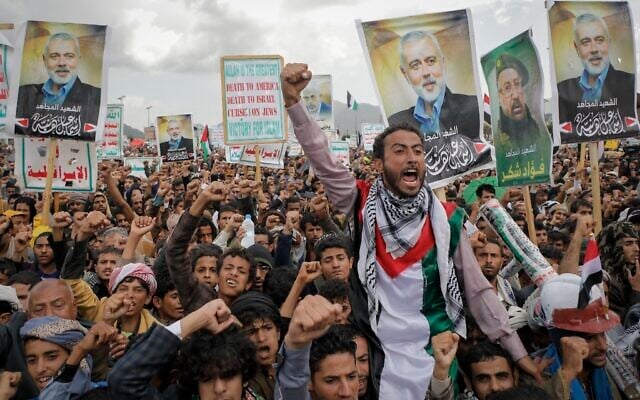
[
  {"x": 561, "y": 292},
  {"x": 8, "y": 294}
]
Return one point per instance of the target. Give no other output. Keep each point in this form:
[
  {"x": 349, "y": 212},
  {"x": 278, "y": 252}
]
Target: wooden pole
[
  {"x": 595, "y": 186},
  {"x": 258, "y": 168},
  {"x": 6, "y": 26},
  {"x": 51, "y": 158},
  {"x": 583, "y": 155},
  {"x": 56, "y": 202},
  {"x": 528, "y": 209}
]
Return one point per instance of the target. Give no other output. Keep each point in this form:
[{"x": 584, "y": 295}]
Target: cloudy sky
[{"x": 166, "y": 53}]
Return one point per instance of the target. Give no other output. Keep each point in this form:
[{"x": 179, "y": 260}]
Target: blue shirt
[
  {"x": 590, "y": 93},
  {"x": 429, "y": 123},
  {"x": 56, "y": 98}
]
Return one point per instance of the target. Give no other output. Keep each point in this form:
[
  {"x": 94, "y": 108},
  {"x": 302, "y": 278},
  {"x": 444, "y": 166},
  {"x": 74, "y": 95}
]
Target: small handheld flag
[
  {"x": 204, "y": 142},
  {"x": 352, "y": 104}
]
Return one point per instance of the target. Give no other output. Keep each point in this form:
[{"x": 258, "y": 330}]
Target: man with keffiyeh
[
  {"x": 57, "y": 354},
  {"x": 411, "y": 250}
]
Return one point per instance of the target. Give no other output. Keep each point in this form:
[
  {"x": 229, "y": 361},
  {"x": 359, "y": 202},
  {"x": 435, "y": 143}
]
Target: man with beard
[
  {"x": 404, "y": 287},
  {"x": 518, "y": 128},
  {"x": 599, "y": 80},
  {"x": 491, "y": 260},
  {"x": 176, "y": 141},
  {"x": 438, "y": 110},
  {"x": 619, "y": 251},
  {"x": 61, "y": 58},
  {"x": 319, "y": 110}
]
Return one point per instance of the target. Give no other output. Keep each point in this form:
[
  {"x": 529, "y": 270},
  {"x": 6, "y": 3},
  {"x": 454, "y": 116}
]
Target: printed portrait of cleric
[
  {"x": 516, "y": 120},
  {"x": 600, "y": 87},
  {"x": 440, "y": 114},
  {"x": 62, "y": 105}
]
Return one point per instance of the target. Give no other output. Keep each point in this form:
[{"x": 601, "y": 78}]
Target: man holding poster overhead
[{"x": 410, "y": 278}]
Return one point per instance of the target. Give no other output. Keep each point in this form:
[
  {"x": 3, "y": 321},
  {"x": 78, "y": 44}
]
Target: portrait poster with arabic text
[
  {"x": 516, "y": 88},
  {"x": 61, "y": 89},
  {"x": 593, "y": 74},
  {"x": 425, "y": 73},
  {"x": 294, "y": 149},
  {"x": 232, "y": 153},
  {"x": 175, "y": 138},
  {"x": 74, "y": 170}
]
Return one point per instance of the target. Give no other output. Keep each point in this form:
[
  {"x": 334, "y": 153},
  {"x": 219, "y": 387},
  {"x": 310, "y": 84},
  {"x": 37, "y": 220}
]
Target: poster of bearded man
[
  {"x": 318, "y": 98},
  {"x": 425, "y": 74},
  {"x": 520, "y": 136},
  {"x": 593, "y": 71},
  {"x": 61, "y": 89}
]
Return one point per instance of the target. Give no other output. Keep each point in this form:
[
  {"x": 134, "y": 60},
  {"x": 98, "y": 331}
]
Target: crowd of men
[{"x": 144, "y": 291}]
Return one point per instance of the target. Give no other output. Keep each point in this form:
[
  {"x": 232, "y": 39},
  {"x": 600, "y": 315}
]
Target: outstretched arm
[
  {"x": 339, "y": 184},
  {"x": 571, "y": 260},
  {"x": 114, "y": 192},
  {"x": 131, "y": 376},
  {"x": 191, "y": 293}
]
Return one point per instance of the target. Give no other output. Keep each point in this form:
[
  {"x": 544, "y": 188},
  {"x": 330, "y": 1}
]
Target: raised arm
[
  {"x": 339, "y": 184},
  {"x": 571, "y": 260},
  {"x": 191, "y": 293},
  {"x": 84, "y": 229},
  {"x": 114, "y": 192},
  {"x": 131, "y": 376},
  {"x": 140, "y": 226},
  {"x": 312, "y": 318}
]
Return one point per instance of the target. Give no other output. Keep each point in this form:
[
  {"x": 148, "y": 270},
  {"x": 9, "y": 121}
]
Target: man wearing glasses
[{"x": 519, "y": 129}]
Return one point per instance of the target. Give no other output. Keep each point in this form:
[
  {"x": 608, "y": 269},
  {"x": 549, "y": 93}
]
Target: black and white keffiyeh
[{"x": 400, "y": 221}]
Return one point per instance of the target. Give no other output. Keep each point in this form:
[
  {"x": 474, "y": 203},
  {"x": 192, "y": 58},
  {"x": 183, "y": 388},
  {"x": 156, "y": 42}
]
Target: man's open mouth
[{"x": 410, "y": 175}]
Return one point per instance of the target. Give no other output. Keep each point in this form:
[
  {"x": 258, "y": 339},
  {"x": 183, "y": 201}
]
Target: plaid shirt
[{"x": 131, "y": 376}]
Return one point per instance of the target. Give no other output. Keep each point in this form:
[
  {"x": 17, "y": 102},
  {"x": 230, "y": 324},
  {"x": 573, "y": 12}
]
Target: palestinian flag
[
  {"x": 204, "y": 142},
  {"x": 352, "y": 104}
]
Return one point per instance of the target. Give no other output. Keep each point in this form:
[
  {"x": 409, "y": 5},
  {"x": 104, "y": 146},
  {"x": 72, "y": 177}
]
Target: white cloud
[
  {"x": 165, "y": 53},
  {"x": 148, "y": 42}
]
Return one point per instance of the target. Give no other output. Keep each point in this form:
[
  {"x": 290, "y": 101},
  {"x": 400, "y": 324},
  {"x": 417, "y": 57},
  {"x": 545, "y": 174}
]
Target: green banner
[{"x": 520, "y": 136}]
